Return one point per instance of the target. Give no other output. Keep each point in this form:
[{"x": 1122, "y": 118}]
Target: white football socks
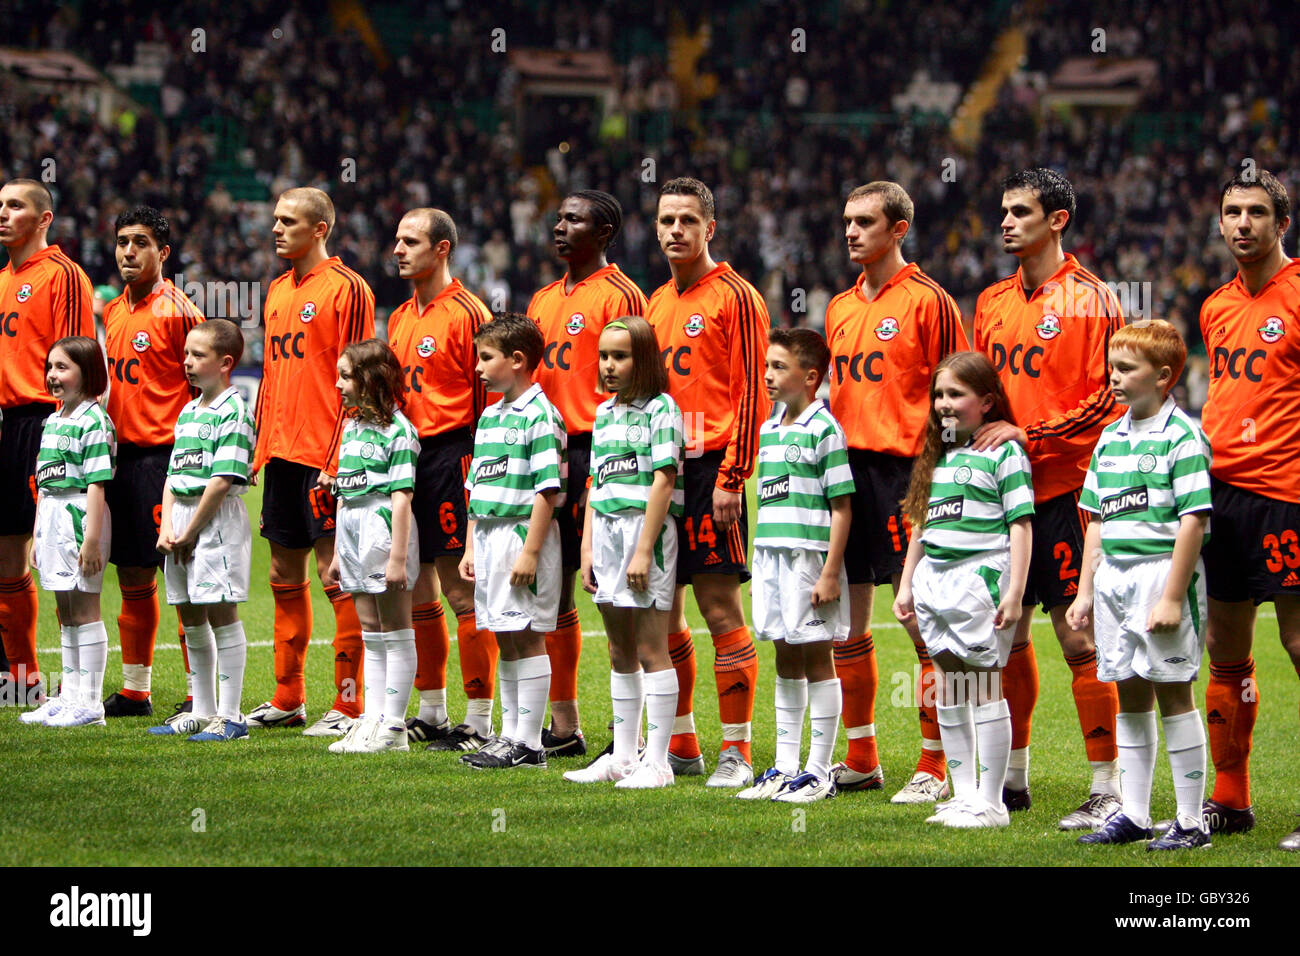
[
  {"x": 627, "y": 692},
  {"x": 508, "y": 690},
  {"x": 993, "y": 746},
  {"x": 1136, "y": 737},
  {"x": 203, "y": 667},
  {"x": 824, "y": 706},
  {"x": 534, "y": 687},
  {"x": 70, "y": 690},
  {"x": 399, "y": 647},
  {"x": 791, "y": 702},
  {"x": 660, "y": 707},
  {"x": 92, "y": 659},
  {"x": 957, "y": 730},
  {"x": 232, "y": 655},
  {"x": 1185, "y": 741},
  {"x": 374, "y": 669}
]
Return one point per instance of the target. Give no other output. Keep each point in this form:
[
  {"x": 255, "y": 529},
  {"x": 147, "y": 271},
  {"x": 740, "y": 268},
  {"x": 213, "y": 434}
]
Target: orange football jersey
[
  {"x": 1250, "y": 415},
  {"x": 714, "y": 341},
  {"x": 45, "y": 300},
  {"x": 1050, "y": 352},
  {"x": 436, "y": 349},
  {"x": 883, "y": 352},
  {"x": 145, "y": 346},
  {"x": 308, "y": 324},
  {"x": 571, "y": 323}
]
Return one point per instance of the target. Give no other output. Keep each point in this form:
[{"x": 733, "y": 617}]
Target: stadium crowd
[{"x": 289, "y": 81}]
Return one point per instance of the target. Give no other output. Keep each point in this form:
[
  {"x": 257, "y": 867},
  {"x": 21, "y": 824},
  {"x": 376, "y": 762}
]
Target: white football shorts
[
  {"x": 1123, "y": 594},
  {"x": 499, "y": 606},
  {"x": 613, "y": 542},
  {"x": 956, "y": 603},
  {"x": 363, "y": 541},
  {"x": 783, "y": 580},
  {"x": 219, "y": 568},
  {"x": 57, "y": 542}
]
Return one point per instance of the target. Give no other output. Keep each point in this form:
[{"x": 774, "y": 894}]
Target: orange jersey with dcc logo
[
  {"x": 714, "y": 342},
  {"x": 571, "y": 323},
  {"x": 883, "y": 352},
  {"x": 145, "y": 345},
  {"x": 1050, "y": 352},
  {"x": 308, "y": 324},
  {"x": 45, "y": 300},
  {"x": 1250, "y": 415},
  {"x": 436, "y": 349}
]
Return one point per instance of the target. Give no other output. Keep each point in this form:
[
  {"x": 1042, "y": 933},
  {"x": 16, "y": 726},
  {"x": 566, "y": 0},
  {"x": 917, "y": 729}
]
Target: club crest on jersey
[
  {"x": 793, "y": 453},
  {"x": 141, "y": 341},
  {"x": 963, "y": 475},
  {"x": 1049, "y": 328},
  {"x": 368, "y": 450},
  {"x": 24, "y": 292},
  {"x": 512, "y": 436},
  {"x": 205, "y": 431},
  {"x": 1147, "y": 464},
  {"x": 493, "y": 469},
  {"x": 428, "y": 345},
  {"x": 1124, "y": 503},
  {"x": 308, "y": 312},
  {"x": 634, "y": 434},
  {"x": 777, "y": 489},
  {"x": 694, "y": 325},
  {"x": 1272, "y": 330},
  {"x": 887, "y": 329},
  {"x": 613, "y": 468},
  {"x": 64, "y": 443},
  {"x": 949, "y": 509},
  {"x": 577, "y": 322}
]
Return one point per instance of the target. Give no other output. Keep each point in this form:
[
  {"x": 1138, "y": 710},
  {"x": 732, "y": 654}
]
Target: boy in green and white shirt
[
  {"x": 1149, "y": 481},
  {"x": 205, "y": 535},
  {"x": 515, "y": 484},
  {"x": 804, "y": 489}
]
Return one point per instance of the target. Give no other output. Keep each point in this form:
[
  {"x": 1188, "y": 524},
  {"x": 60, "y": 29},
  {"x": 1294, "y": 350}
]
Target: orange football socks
[
  {"x": 138, "y": 625},
  {"x": 292, "y": 635},
  {"x": 735, "y": 669},
  {"x": 1231, "y": 706},
  {"x": 855, "y": 665},
  {"x": 681, "y": 650}
]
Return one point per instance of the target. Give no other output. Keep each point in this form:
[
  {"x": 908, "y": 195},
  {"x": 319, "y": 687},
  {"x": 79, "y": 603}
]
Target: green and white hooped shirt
[
  {"x": 519, "y": 451},
  {"x": 629, "y": 443},
  {"x": 76, "y": 450},
  {"x": 377, "y": 459},
  {"x": 212, "y": 441},
  {"x": 801, "y": 467},
  {"x": 974, "y": 498},
  {"x": 1143, "y": 477}
]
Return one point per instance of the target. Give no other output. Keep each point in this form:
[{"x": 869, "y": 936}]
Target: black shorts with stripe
[
  {"x": 1057, "y": 555},
  {"x": 701, "y": 547},
  {"x": 134, "y": 499},
  {"x": 878, "y": 536},
  {"x": 1254, "y": 549},
  {"x": 571, "y": 517},
  {"x": 295, "y": 513},
  {"x": 439, "y": 502},
  {"x": 20, "y": 443}
]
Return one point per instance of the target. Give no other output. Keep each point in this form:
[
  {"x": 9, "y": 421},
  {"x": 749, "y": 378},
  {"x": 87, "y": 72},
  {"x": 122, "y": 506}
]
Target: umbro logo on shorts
[
  {"x": 492, "y": 469},
  {"x": 1175, "y": 660},
  {"x": 1124, "y": 503},
  {"x": 949, "y": 509},
  {"x": 815, "y": 622}
]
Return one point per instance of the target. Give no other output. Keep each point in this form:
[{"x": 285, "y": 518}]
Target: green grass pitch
[{"x": 115, "y": 796}]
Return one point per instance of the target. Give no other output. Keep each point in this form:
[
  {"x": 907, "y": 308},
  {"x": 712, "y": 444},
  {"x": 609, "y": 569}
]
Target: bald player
[
  {"x": 572, "y": 312},
  {"x": 44, "y": 296}
]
